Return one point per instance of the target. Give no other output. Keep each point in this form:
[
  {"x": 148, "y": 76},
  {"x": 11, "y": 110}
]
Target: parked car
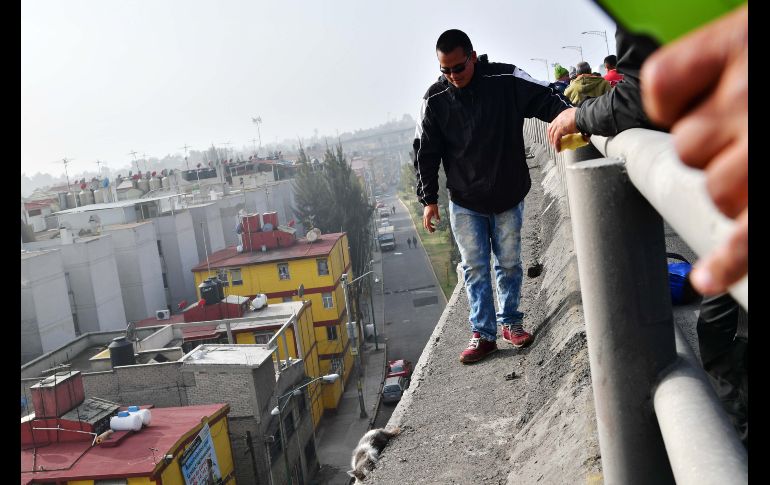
[
  {"x": 380, "y": 205},
  {"x": 401, "y": 367},
  {"x": 393, "y": 389}
]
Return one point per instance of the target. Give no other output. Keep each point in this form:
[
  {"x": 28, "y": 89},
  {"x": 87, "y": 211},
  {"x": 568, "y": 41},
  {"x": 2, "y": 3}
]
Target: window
[
  {"x": 165, "y": 280},
  {"x": 222, "y": 276},
  {"x": 160, "y": 249},
  {"x": 323, "y": 267},
  {"x": 235, "y": 277},
  {"x": 331, "y": 332},
  {"x": 283, "y": 271},
  {"x": 301, "y": 404},
  {"x": 262, "y": 337},
  {"x": 328, "y": 300},
  {"x": 34, "y": 212}
]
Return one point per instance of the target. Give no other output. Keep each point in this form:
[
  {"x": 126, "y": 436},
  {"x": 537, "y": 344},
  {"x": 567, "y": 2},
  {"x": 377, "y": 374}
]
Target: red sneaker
[
  {"x": 518, "y": 338},
  {"x": 478, "y": 348}
]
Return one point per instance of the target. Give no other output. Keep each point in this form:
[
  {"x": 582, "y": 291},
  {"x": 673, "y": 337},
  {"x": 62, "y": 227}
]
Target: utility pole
[
  {"x": 258, "y": 121},
  {"x": 185, "y": 147},
  {"x": 66, "y": 160},
  {"x": 134, "y": 153},
  {"x": 254, "y": 143},
  {"x": 354, "y": 344}
]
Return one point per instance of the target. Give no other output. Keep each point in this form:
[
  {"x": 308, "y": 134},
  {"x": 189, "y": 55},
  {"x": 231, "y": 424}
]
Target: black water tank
[
  {"x": 220, "y": 289},
  {"x": 209, "y": 291},
  {"x": 121, "y": 352}
]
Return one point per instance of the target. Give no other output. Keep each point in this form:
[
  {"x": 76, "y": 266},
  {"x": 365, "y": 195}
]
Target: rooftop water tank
[
  {"x": 62, "y": 200},
  {"x": 155, "y": 183},
  {"x": 143, "y": 185},
  {"x": 165, "y": 182},
  {"x": 71, "y": 201},
  {"x": 98, "y": 196},
  {"x": 121, "y": 352},
  {"x": 209, "y": 292},
  {"x": 86, "y": 197}
]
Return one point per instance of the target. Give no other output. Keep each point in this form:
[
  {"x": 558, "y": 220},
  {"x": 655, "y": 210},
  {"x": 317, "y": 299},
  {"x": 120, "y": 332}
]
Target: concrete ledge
[{"x": 472, "y": 424}]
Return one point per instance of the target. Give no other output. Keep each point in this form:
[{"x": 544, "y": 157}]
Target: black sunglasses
[{"x": 456, "y": 69}]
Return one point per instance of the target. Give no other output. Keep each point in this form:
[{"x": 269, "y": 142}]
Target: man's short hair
[
  {"x": 452, "y": 39},
  {"x": 611, "y": 61},
  {"x": 583, "y": 68}
]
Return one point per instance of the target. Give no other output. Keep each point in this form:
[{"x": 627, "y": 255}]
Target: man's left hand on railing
[{"x": 564, "y": 124}]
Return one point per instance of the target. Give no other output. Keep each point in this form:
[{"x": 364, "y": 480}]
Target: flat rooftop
[
  {"x": 114, "y": 205},
  {"x": 211, "y": 354}
]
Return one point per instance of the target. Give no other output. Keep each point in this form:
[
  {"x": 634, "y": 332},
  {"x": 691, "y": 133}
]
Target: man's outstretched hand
[
  {"x": 428, "y": 213},
  {"x": 698, "y": 86},
  {"x": 564, "y": 124}
]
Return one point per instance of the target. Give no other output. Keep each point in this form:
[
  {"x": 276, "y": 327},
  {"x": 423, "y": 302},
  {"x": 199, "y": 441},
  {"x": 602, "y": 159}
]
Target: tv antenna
[
  {"x": 134, "y": 153},
  {"x": 65, "y": 161},
  {"x": 258, "y": 121},
  {"x": 185, "y": 147}
]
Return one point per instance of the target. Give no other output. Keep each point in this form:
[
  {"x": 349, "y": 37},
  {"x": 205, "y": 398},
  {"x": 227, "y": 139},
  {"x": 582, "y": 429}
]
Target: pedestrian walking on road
[
  {"x": 414, "y": 241},
  {"x": 393, "y": 209},
  {"x": 409, "y": 242},
  {"x": 470, "y": 122}
]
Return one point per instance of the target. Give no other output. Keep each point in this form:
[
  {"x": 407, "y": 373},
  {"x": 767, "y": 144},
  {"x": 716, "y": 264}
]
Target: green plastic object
[{"x": 666, "y": 20}]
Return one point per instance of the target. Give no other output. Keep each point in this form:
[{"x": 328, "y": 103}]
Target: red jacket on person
[{"x": 613, "y": 77}]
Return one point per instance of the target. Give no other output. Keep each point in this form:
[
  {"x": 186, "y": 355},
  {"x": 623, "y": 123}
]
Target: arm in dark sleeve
[
  {"x": 621, "y": 108},
  {"x": 428, "y": 147},
  {"x": 537, "y": 100}
]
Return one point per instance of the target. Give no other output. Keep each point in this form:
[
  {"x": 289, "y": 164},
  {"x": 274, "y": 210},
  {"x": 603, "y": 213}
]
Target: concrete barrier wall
[{"x": 472, "y": 424}]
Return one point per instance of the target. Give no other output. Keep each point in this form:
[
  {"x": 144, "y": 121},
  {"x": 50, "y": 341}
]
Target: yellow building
[
  {"x": 279, "y": 273},
  {"x": 178, "y": 443}
]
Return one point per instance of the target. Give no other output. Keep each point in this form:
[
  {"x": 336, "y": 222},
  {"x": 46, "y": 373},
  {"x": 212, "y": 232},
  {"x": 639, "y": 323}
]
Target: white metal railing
[{"x": 659, "y": 420}]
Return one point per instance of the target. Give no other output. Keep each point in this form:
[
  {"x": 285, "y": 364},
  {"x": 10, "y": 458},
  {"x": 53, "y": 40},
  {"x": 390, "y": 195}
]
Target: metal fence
[{"x": 658, "y": 418}]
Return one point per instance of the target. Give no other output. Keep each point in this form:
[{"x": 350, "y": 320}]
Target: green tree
[{"x": 333, "y": 200}]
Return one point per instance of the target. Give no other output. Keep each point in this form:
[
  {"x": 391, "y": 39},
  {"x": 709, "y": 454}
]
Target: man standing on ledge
[{"x": 471, "y": 120}]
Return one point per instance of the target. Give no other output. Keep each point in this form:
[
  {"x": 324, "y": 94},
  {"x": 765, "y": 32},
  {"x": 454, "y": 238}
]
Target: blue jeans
[{"x": 479, "y": 237}]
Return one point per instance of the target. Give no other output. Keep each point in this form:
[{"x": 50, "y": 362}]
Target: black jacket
[
  {"x": 621, "y": 108},
  {"x": 476, "y": 132}
]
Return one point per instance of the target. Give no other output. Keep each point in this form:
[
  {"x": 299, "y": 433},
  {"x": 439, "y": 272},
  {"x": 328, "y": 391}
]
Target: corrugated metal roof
[
  {"x": 229, "y": 257},
  {"x": 132, "y": 457}
]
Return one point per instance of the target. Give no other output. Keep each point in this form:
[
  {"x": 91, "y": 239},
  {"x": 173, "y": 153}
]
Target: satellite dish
[
  {"x": 312, "y": 236},
  {"x": 239, "y": 248},
  {"x": 317, "y": 231},
  {"x": 301, "y": 290}
]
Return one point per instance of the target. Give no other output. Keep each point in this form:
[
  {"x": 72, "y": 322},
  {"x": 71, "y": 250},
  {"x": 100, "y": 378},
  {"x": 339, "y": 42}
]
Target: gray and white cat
[{"x": 367, "y": 452}]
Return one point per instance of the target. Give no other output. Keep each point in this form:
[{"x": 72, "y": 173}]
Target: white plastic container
[
  {"x": 125, "y": 421},
  {"x": 142, "y": 413}
]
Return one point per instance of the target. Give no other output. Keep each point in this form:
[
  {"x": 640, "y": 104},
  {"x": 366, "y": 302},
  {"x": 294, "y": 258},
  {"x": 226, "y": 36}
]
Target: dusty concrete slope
[{"x": 475, "y": 424}]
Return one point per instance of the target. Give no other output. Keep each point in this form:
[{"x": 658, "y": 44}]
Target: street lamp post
[
  {"x": 600, "y": 33},
  {"x": 278, "y": 411},
  {"x": 576, "y": 48},
  {"x": 547, "y": 71}
]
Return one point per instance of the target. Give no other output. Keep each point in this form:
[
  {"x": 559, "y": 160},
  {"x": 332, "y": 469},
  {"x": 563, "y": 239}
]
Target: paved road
[{"x": 413, "y": 301}]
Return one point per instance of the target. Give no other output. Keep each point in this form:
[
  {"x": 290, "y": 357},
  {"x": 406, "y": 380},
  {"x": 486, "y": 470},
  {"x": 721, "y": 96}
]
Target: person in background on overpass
[
  {"x": 414, "y": 241},
  {"x": 471, "y": 122},
  {"x": 409, "y": 242},
  {"x": 612, "y": 76},
  {"x": 562, "y": 79},
  {"x": 585, "y": 85}
]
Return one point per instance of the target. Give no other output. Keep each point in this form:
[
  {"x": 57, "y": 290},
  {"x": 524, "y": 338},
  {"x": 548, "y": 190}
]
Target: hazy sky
[{"x": 100, "y": 78}]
